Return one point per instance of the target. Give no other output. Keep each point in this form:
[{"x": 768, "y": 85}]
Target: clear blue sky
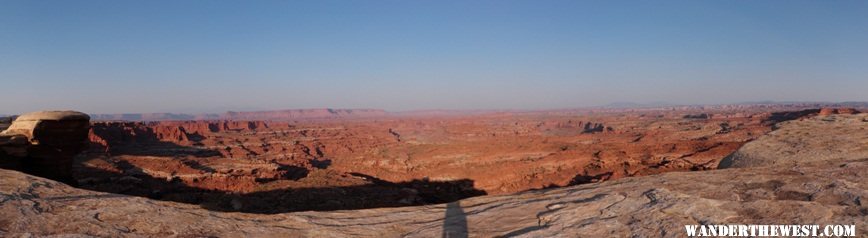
[{"x": 210, "y": 56}]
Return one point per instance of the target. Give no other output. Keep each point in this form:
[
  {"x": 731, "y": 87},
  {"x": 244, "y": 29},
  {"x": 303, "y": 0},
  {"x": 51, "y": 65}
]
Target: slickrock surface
[
  {"x": 650, "y": 206},
  {"x": 821, "y": 139},
  {"x": 833, "y": 192}
]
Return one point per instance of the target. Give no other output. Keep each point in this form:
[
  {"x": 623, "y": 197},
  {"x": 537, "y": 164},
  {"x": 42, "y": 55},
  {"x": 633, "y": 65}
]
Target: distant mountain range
[
  {"x": 328, "y": 113},
  {"x": 293, "y": 114},
  {"x": 637, "y": 105}
]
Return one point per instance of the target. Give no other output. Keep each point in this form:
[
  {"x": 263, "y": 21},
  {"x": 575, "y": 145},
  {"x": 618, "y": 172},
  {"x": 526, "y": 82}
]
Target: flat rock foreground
[{"x": 808, "y": 171}]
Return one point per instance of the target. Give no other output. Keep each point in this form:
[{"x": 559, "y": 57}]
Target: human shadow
[
  {"x": 376, "y": 193},
  {"x": 455, "y": 221}
]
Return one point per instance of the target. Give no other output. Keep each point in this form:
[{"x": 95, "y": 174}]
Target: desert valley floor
[{"x": 305, "y": 162}]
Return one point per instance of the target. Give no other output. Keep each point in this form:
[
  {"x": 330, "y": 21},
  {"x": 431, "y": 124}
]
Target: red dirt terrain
[{"x": 273, "y": 166}]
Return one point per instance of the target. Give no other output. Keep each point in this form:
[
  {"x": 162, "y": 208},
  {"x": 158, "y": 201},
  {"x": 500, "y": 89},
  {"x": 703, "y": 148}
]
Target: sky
[{"x": 213, "y": 56}]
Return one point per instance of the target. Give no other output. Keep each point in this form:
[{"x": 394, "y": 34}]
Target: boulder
[{"x": 44, "y": 143}]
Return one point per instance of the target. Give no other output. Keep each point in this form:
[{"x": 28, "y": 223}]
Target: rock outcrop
[
  {"x": 830, "y": 191},
  {"x": 822, "y": 139},
  {"x": 831, "y": 111},
  {"x": 44, "y": 143}
]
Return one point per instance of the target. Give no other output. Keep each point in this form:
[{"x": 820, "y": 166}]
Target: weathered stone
[
  {"x": 44, "y": 143},
  {"x": 821, "y": 139}
]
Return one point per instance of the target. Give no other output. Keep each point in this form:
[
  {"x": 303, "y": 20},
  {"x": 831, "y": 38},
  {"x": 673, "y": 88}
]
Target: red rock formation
[
  {"x": 831, "y": 111},
  {"x": 500, "y": 153}
]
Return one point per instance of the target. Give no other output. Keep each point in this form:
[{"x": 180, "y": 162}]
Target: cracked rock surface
[
  {"x": 832, "y": 192},
  {"x": 650, "y": 206},
  {"x": 814, "y": 140}
]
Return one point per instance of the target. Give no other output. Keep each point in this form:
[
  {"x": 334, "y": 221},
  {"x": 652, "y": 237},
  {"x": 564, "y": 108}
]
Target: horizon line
[{"x": 614, "y": 105}]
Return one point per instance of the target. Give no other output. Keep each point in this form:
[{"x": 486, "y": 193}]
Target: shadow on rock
[
  {"x": 777, "y": 117},
  {"x": 583, "y": 179},
  {"x": 377, "y": 193},
  {"x": 156, "y": 148},
  {"x": 455, "y": 221}
]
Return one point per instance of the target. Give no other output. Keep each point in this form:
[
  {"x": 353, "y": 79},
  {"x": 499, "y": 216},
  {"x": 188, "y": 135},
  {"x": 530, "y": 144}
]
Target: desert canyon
[{"x": 622, "y": 172}]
